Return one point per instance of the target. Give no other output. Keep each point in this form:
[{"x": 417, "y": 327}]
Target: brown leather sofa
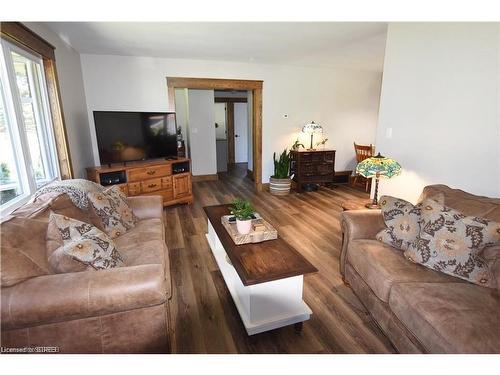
[
  {"x": 421, "y": 310},
  {"x": 121, "y": 310}
]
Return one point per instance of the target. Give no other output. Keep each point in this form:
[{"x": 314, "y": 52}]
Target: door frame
[{"x": 229, "y": 84}]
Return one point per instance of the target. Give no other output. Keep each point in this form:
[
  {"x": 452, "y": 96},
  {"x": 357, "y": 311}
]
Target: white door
[{"x": 240, "y": 133}]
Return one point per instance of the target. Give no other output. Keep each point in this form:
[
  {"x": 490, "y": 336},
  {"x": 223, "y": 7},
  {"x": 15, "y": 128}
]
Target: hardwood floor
[{"x": 204, "y": 317}]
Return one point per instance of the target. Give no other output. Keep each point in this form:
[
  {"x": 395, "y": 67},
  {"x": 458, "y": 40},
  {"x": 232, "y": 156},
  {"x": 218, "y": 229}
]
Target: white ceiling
[{"x": 345, "y": 44}]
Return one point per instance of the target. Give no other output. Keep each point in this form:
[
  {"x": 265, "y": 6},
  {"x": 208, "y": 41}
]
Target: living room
[{"x": 363, "y": 217}]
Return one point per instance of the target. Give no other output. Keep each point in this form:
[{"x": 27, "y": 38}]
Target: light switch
[
  {"x": 388, "y": 133},
  {"x": 194, "y": 130}
]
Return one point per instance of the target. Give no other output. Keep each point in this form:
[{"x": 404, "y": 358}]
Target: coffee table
[{"x": 265, "y": 279}]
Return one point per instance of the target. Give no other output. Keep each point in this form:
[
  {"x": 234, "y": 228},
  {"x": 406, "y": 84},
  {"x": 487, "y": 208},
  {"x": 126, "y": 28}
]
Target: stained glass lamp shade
[
  {"x": 312, "y": 128},
  {"x": 378, "y": 166}
]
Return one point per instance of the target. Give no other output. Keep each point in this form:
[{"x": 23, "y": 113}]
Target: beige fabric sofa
[
  {"x": 121, "y": 310},
  {"x": 421, "y": 310}
]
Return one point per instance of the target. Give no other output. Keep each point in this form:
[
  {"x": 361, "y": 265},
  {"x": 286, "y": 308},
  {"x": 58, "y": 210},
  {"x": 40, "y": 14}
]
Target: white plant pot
[{"x": 244, "y": 226}]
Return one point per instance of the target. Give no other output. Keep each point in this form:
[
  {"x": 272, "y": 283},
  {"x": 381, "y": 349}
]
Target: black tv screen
[{"x": 131, "y": 136}]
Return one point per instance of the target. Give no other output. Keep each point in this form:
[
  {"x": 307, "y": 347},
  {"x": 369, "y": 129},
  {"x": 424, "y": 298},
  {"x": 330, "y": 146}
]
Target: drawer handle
[
  {"x": 152, "y": 185},
  {"x": 151, "y": 172}
]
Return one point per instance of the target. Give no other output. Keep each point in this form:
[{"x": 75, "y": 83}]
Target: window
[{"x": 28, "y": 158}]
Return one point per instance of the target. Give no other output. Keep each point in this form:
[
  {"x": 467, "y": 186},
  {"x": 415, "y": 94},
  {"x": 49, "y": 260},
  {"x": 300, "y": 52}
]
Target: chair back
[{"x": 364, "y": 151}]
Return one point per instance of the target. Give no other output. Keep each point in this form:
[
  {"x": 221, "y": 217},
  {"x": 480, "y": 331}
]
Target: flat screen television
[{"x": 132, "y": 136}]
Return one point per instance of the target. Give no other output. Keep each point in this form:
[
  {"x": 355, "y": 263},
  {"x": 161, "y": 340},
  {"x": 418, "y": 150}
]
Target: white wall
[
  {"x": 69, "y": 72},
  {"x": 440, "y": 96},
  {"x": 202, "y": 132},
  {"x": 345, "y": 102}
]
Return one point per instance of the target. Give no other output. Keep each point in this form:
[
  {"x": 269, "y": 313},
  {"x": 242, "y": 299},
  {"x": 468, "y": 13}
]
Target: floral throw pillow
[
  {"x": 112, "y": 208},
  {"x": 402, "y": 220},
  {"x": 84, "y": 243},
  {"x": 450, "y": 242}
]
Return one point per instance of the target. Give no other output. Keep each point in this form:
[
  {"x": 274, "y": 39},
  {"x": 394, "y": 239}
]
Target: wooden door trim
[{"x": 229, "y": 84}]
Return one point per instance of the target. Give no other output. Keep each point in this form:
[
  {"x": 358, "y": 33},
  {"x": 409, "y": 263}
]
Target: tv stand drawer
[
  {"x": 151, "y": 185},
  {"x": 139, "y": 174}
]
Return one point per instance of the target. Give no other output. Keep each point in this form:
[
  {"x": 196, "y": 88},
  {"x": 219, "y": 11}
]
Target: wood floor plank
[{"x": 204, "y": 317}]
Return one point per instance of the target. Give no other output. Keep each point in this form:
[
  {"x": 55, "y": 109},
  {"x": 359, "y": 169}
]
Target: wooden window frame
[
  {"x": 229, "y": 84},
  {"x": 19, "y": 34}
]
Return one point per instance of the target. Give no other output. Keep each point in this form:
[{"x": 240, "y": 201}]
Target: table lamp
[
  {"x": 378, "y": 166},
  {"x": 312, "y": 128}
]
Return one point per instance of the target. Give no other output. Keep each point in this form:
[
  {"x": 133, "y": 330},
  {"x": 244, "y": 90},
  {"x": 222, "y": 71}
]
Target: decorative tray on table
[{"x": 261, "y": 230}]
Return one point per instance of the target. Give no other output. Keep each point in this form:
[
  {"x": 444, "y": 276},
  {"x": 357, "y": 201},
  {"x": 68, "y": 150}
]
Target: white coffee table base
[{"x": 265, "y": 306}]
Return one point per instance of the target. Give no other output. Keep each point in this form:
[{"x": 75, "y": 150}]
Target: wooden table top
[{"x": 259, "y": 262}]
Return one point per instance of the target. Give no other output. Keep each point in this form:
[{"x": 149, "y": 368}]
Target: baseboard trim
[{"x": 205, "y": 177}]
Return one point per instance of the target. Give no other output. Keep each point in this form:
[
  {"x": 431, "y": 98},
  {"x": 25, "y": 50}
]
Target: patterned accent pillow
[
  {"x": 112, "y": 208},
  {"x": 402, "y": 220},
  {"x": 83, "y": 243},
  {"x": 450, "y": 242}
]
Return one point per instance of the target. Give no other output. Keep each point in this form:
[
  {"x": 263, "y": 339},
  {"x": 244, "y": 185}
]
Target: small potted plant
[
  {"x": 280, "y": 182},
  {"x": 243, "y": 212}
]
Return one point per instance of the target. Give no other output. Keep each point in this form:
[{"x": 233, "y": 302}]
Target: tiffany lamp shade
[{"x": 376, "y": 167}]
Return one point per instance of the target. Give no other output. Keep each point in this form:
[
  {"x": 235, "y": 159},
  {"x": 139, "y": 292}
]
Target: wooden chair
[{"x": 363, "y": 152}]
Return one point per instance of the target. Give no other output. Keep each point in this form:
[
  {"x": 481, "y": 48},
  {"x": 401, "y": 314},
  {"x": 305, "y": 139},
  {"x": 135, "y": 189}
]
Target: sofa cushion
[
  {"x": 472, "y": 205},
  {"x": 59, "y": 203},
  {"x": 145, "y": 244},
  {"x": 112, "y": 208},
  {"x": 450, "y": 317},
  {"x": 468, "y": 204},
  {"x": 382, "y": 266},
  {"x": 81, "y": 243},
  {"x": 402, "y": 221},
  {"x": 451, "y": 242},
  {"x": 22, "y": 250},
  {"x": 68, "y": 296}
]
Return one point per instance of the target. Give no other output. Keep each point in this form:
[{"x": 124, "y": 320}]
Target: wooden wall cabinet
[{"x": 171, "y": 179}]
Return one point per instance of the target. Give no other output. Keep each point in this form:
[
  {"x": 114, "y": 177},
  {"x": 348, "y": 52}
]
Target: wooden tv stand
[{"x": 169, "y": 178}]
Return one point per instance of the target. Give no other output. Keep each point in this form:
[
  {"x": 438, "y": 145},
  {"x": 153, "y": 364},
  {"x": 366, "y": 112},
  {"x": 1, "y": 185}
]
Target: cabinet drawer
[
  {"x": 138, "y": 174},
  {"x": 152, "y": 184},
  {"x": 330, "y": 156},
  {"x": 166, "y": 182},
  {"x": 134, "y": 188}
]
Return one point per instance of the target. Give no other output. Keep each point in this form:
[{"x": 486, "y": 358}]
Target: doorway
[
  {"x": 254, "y": 113},
  {"x": 233, "y": 129}
]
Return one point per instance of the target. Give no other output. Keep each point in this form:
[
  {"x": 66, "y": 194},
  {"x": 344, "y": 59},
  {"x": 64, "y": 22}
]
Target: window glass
[
  {"x": 28, "y": 76},
  {"x": 10, "y": 185},
  {"x": 28, "y": 158}
]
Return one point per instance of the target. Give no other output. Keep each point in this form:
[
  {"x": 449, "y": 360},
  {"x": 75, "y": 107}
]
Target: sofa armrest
[
  {"x": 358, "y": 224},
  {"x": 147, "y": 207},
  {"x": 69, "y": 296}
]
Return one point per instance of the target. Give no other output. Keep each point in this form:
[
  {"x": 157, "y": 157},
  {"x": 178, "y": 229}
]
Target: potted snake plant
[
  {"x": 244, "y": 213},
  {"x": 280, "y": 182}
]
